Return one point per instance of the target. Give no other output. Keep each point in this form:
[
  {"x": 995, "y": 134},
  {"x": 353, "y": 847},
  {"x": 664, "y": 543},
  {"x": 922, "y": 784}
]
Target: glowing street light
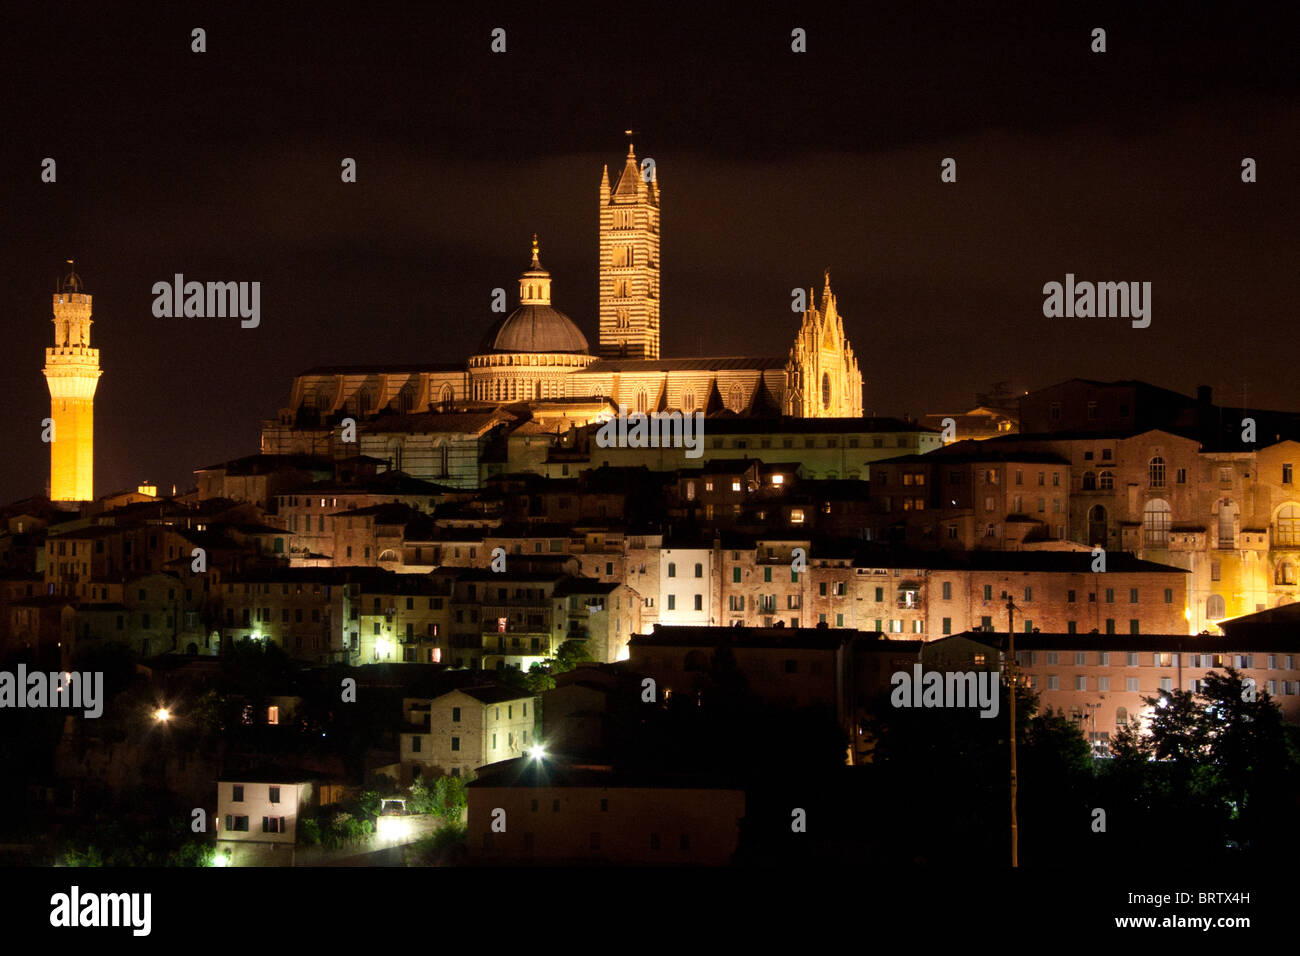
[
  {"x": 537, "y": 753},
  {"x": 162, "y": 715}
]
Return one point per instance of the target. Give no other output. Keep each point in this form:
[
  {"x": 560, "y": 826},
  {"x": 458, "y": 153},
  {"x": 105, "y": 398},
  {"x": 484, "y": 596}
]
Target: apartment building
[{"x": 462, "y": 730}]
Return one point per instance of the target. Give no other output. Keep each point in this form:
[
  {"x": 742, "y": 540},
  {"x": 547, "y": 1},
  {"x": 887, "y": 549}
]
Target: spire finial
[
  {"x": 629, "y": 133},
  {"x": 536, "y": 250}
]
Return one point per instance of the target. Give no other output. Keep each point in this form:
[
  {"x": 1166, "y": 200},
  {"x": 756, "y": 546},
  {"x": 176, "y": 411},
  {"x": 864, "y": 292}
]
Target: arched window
[
  {"x": 1089, "y": 481},
  {"x": 388, "y": 554},
  {"x": 1286, "y": 527},
  {"x": 737, "y": 401},
  {"x": 826, "y": 390},
  {"x": 1215, "y": 608},
  {"x": 642, "y": 400},
  {"x": 445, "y": 398},
  {"x": 1107, "y": 481},
  {"x": 1227, "y": 523},
  {"x": 1121, "y": 716},
  {"x": 688, "y": 402},
  {"x": 1097, "y": 525},
  {"x": 1156, "y": 472},
  {"x": 1155, "y": 523},
  {"x": 1285, "y": 573}
]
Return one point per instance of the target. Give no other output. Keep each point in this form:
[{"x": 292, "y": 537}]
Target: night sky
[{"x": 774, "y": 165}]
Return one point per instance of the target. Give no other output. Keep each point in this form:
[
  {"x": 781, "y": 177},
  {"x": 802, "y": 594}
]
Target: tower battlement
[{"x": 72, "y": 373}]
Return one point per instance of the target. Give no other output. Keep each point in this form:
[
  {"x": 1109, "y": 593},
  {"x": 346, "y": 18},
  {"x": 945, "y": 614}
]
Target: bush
[{"x": 440, "y": 848}]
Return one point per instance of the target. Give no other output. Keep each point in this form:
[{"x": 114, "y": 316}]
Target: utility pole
[{"x": 1011, "y": 695}]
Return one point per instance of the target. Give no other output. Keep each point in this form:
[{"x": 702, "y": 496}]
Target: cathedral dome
[{"x": 534, "y": 328}]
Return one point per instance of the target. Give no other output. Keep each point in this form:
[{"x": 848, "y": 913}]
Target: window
[
  {"x": 947, "y": 590},
  {"x": 1089, "y": 481},
  {"x": 1103, "y": 684},
  {"x": 1132, "y": 595},
  {"x": 1155, "y": 523},
  {"x": 1080, "y": 682},
  {"x": 699, "y": 570},
  {"x": 274, "y": 794},
  {"x": 672, "y": 602},
  {"x": 1215, "y": 607},
  {"x": 1053, "y": 682},
  {"x": 672, "y": 569},
  {"x": 1156, "y": 472},
  {"x": 237, "y": 823},
  {"x": 1131, "y": 685},
  {"x": 1227, "y": 524},
  {"x": 455, "y": 743},
  {"x": 237, "y": 793},
  {"x": 1106, "y": 481},
  {"x": 735, "y": 575},
  {"x": 1286, "y": 527},
  {"x": 988, "y": 592},
  {"x": 947, "y": 625},
  {"x": 699, "y": 602},
  {"x": 1286, "y": 473}
]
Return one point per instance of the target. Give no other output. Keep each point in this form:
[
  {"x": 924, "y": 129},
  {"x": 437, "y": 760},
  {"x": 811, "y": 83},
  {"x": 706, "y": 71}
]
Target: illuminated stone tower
[
  {"x": 629, "y": 262},
  {"x": 72, "y": 372}
]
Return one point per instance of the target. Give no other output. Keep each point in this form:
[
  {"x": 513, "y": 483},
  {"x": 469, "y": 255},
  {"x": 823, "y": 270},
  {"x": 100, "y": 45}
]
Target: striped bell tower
[{"x": 629, "y": 261}]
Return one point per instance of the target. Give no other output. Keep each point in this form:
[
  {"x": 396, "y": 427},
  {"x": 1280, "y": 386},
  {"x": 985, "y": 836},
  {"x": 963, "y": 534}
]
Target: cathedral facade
[{"x": 537, "y": 354}]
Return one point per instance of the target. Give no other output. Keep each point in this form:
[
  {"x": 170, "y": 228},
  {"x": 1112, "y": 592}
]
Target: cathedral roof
[
  {"x": 702, "y": 364},
  {"x": 533, "y": 328}
]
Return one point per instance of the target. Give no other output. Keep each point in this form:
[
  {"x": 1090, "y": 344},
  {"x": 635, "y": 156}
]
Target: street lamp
[{"x": 162, "y": 715}]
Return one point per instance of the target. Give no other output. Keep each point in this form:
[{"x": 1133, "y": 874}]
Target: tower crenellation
[{"x": 72, "y": 373}]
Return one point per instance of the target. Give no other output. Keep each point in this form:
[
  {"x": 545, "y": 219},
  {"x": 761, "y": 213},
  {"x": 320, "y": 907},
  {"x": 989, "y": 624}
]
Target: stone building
[{"x": 434, "y": 420}]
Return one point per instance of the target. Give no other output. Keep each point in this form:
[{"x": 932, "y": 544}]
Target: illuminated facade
[
  {"x": 537, "y": 354},
  {"x": 629, "y": 262},
  {"x": 72, "y": 373}
]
